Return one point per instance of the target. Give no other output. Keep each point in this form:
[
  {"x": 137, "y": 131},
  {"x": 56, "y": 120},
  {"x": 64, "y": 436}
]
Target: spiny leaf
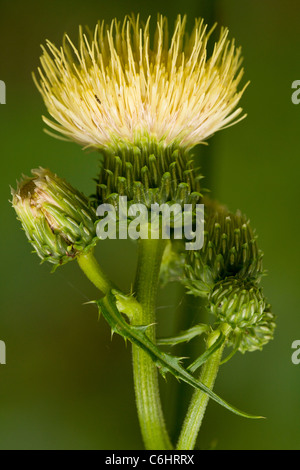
[{"x": 161, "y": 359}]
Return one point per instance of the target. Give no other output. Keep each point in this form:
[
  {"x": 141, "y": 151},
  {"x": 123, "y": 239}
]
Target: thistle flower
[
  {"x": 58, "y": 220},
  {"x": 120, "y": 86},
  {"x": 143, "y": 102}
]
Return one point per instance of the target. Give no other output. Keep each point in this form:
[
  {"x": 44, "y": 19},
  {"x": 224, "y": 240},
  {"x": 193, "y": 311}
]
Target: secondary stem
[
  {"x": 146, "y": 385},
  {"x": 92, "y": 270},
  {"x": 197, "y": 408}
]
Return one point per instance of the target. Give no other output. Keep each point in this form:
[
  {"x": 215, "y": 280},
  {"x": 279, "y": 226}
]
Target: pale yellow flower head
[{"x": 121, "y": 85}]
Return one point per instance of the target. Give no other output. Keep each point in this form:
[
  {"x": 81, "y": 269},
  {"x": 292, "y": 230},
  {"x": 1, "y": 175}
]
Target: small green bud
[
  {"x": 241, "y": 305},
  {"x": 229, "y": 249},
  {"x": 58, "y": 220},
  {"x": 237, "y": 302}
]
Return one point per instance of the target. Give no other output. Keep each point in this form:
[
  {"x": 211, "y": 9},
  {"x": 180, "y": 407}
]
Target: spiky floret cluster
[
  {"x": 120, "y": 84},
  {"x": 58, "y": 220}
]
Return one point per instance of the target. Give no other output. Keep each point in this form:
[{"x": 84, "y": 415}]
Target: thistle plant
[{"x": 143, "y": 102}]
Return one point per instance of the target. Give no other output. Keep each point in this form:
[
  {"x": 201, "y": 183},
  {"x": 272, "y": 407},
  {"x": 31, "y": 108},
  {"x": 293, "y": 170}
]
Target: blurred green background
[{"x": 66, "y": 385}]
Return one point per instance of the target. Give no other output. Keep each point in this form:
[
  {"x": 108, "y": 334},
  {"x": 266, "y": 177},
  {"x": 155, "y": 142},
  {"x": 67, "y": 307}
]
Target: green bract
[
  {"x": 149, "y": 173},
  {"x": 58, "y": 220},
  {"x": 258, "y": 335}
]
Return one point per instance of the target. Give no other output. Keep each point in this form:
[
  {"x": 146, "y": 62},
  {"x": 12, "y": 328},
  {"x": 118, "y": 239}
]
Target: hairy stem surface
[
  {"x": 197, "y": 408},
  {"x": 146, "y": 385}
]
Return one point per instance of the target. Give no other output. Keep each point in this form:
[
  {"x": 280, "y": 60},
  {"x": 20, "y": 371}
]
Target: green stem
[
  {"x": 146, "y": 385},
  {"x": 92, "y": 270},
  {"x": 197, "y": 408},
  {"x": 145, "y": 372}
]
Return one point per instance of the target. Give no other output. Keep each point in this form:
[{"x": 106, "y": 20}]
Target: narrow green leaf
[
  {"x": 167, "y": 362},
  {"x": 233, "y": 352},
  {"x": 204, "y": 357},
  {"x": 184, "y": 336}
]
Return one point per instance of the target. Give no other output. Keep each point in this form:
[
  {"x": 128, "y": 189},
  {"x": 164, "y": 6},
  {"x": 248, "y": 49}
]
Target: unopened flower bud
[
  {"x": 58, "y": 220},
  {"x": 241, "y": 305},
  {"x": 229, "y": 249}
]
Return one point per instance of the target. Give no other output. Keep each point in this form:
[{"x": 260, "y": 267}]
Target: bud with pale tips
[
  {"x": 241, "y": 305},
  {"x": 58, "y": 220}
]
